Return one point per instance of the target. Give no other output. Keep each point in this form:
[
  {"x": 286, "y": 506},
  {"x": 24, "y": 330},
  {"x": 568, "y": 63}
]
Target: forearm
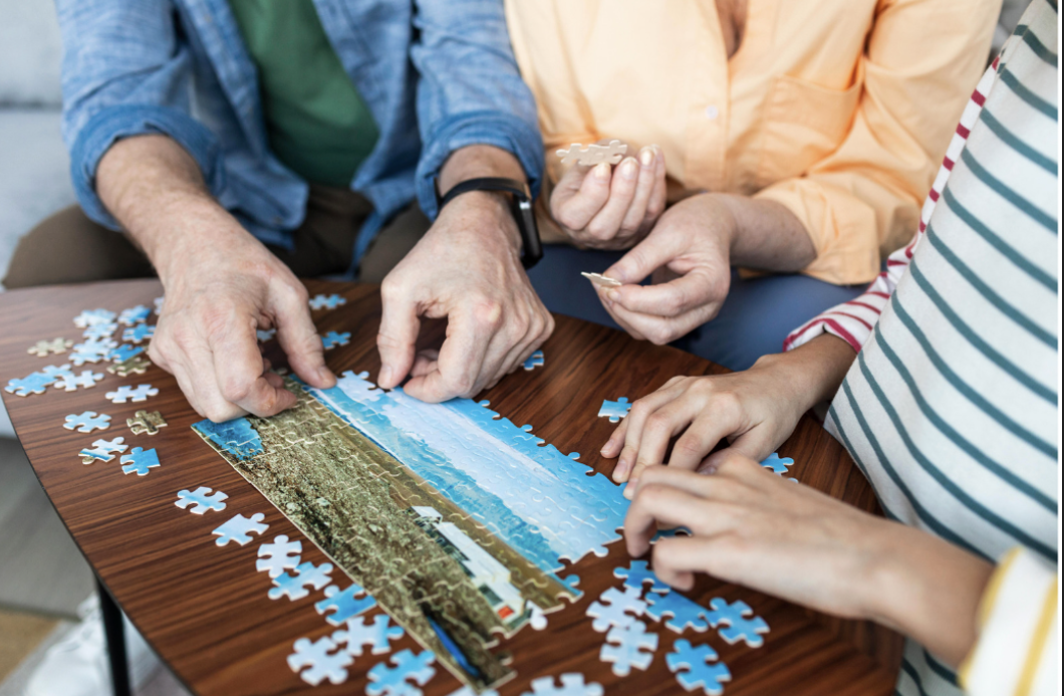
[
  {"x": 766, "y": 235},
  {"x": 812, "y": 372}
]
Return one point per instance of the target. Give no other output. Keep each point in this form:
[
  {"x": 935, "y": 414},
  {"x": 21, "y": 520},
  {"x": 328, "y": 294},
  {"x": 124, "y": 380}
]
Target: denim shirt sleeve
[
  {"x": 126, "y": 73},
  {"x": 470, "y": 91}
]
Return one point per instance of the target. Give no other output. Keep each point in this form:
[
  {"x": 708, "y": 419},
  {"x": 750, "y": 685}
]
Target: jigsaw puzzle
[
  {"x": 85, "y": 380},
  {"x": 533, "y": 361},
  {"x": 629, "y": 647},
  {"x": 601, "y": 280},
  {"x": 138, "y": 333},
  {"x": 265, "y": 334},
  {"x": 572, "y": 685},
  {"x": 92, "y": 351},
  {"x": 127, "y": 393},
  {"x": 684, "y": 612},
  {"x": 738, "y": 625},
  {"x": 136, "y": 365},
  {"x": 333, "y": 339},
  {"x": 326, "y": 302},
  {"x": 340, "y": 606},
  {"x": 620, "y": 608},
  {"x": 37, "y": 382},
  {"x": 158, "y": 302},
  {"x": 323, "y": 660},
  {"x": 43, "y": 349},
  {"x": 395, "y": 681},
  {"x": 615, "y": 410},
  {"x": 134, "y": 315},
  {"x": 87, "y": 421},
  {"x": 611, "y": 153},
  {"x": 295, "y": 586},
  {"x": 99, "y": 332},
  {"x": 695, "y": 670},
  {"x": 202, "y": 500},
  {"x": 90, "y": 317},
  {"x": 103, "y": 450},
  {"x": 278, "y": 556},
  {"x": 239, "y": 529},
  {"x": 375, "y": 634},
  {"x": 139, "y": 460},
  {"x": 638, "y": 574},
  {"x": 146, "y": 423},
  {"x": 124, "y": 352}
]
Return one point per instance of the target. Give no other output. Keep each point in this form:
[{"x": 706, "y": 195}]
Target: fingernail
[
  {"x": 628, "y": 168},
  {"x": 646, "y": 157},
  {"x": 386, "y": 375},
  {"x": 602, "y": 171},
  {"x": 629, "y": 489},
  {"x": 325, "y": 374}
]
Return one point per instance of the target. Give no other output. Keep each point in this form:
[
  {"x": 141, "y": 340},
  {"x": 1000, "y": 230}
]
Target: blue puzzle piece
[
  {"x": 134, "y": 315},
  {"x": 376, "y": 634},
  {"x": 694, "y": 668},
  {"x": 683, "y": 611},
  {"x": 87, "y": 421},
  {"x": 138, "y": 333},
  {"x": 533, "y": 361},
  {"x": 738, "y": 626},
  {"x": 99, "y": 332},
  {"x": 90, "y": 317},
  {"x": 326, "y": 302},
  {"x": 124, "y": 352},
  {"x": 345, "y": 605},
  {"x": 201, "y": 500},
  {"x": 333, "y": 339},
  {"x": 35, "y": 383},
  {"x": 778, "y": 465},
  {"x": 139, "y": 460},
  {"x": 392, "y": 681},
  {"x": 637, "y": 574},
  {"x": 629, "y": 647},
  {"x": 615, "y": 410},
  {"x": 236, "y": 437},
  {"x": 322, "y": 662},
  {"x": 295, "y": 586}
]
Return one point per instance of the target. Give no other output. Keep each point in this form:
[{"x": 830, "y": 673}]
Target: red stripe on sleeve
[{"x": 844, "y": 335}]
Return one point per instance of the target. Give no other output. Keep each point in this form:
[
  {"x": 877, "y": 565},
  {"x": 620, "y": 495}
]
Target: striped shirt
[{"x": 951, "y": 407}]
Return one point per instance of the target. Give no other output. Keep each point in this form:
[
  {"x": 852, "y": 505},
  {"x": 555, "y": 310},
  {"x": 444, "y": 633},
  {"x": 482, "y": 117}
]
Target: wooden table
[{"x": 204, "y": 609}]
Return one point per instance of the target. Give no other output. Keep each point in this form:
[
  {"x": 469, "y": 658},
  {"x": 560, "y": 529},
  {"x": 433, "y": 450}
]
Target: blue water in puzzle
[
  {"x": 541, "y": 502},
  {"x": 236, "y": 435}
]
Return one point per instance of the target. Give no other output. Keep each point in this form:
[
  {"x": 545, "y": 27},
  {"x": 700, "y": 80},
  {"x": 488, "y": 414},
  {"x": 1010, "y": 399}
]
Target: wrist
[
  {"x": 725, "y": 211},
  {"x": 483, "y": 217}
]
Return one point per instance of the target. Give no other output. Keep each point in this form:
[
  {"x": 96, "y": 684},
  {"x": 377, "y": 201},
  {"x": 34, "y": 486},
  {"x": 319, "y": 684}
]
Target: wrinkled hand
[
  {"x": 466, "y": 268},
  {"x": 611, "y": 208},
  {"x": 755, "y": 411},
  {"x": 217, "y": 294},
  {"x": 690, "y": 244}
]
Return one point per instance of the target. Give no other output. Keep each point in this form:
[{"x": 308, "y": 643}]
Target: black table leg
[{"x": 114, "y": 629}]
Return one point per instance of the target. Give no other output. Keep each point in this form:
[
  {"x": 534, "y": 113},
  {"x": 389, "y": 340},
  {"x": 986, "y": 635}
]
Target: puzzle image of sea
[{"x": 454, "y": 519}]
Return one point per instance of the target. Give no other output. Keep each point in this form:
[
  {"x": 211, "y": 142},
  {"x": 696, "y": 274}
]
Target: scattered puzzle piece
[
  {"x": 572, "y": 685},
  {"x": 376, "y": 634},
  {"x": 239, "y": 528},
  {"x": 35, "y": 383},
  {"x": 535, "y": 360},
  {"x": 777, "y": 464},
  {"x": 89, "y": 317},
  {"x": 627, "y": 648},
  {"x": 615, "y": 610},
  {"x": 124, "y": 352},
  {"x": 601, "y": 280},
  {"x": 333, "y": 339},
  {"x": 265, "y": 334},
  {"x": 87, "y": 422},
  {"x": 138, "y": 333},
  {"x": 637, "y": 574},
  {"x": 278, "y": 556},
  {"x": 611, "y": 153},
  {"x": 344, "y": 605},
  {"x": 392, "y": 681},
  {"x": 322, "y": 662},
  {"x": 683, "y": 611},
  {"x": 295, "y": 586},
  {"x": 43, "y": 348},
  {"x": 201, "y": 500},
  {"x": 99, "y": 332},
  {"x": 85, "y": 380},
  {"x": 103, "y": 450},
  {"x": 326, "y": 302},
  {"x": 91, "y": 351},
  {"x": 139, "y": 460},
  {"x": 158, "y": 302},
  {"x": 124, "y": 393},
  {"x": 615, "y": 410},
  {"x": 134, "y": 315},
  {"x": 694, "y": 668},
  {"x": 738, "y": 626},
  {"x": 146, "y": 423},
  {"x": 136, "y": 365}
]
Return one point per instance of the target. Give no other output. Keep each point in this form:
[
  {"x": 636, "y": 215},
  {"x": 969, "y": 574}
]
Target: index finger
[
  {"x": 460, "y": 362},
  {"x": 690, "y": 291},
  {"x": 238, "y": 370}
]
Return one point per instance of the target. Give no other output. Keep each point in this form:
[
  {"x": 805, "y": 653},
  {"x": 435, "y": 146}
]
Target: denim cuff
[
  {"x": 113, "y": 123},
  {"x": 501, "y": 130}
]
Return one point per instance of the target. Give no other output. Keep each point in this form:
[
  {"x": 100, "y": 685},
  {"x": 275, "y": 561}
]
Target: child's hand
[{"x": 611, "y": 208}]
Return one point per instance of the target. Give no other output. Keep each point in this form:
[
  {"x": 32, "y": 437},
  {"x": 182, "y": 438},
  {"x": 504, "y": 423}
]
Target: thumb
[
  {"x": 580, "y": 195},
  {"x": 643, "y": 259},
  {"x": 756, "y": 443},
  {"x": 300, "y": 341},
  {"x": 396, "y": 340}
]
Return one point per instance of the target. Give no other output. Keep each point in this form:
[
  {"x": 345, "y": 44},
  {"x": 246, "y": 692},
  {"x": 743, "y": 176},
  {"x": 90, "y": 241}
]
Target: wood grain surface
[{"x": 205, "y": 610}]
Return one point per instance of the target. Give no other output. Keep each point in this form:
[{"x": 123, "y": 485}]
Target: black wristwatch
[{"x": 520, "y": 206}]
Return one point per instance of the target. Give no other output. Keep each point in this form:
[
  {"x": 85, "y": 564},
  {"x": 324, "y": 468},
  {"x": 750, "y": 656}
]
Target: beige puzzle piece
[
  {"x": 44, "y": 348},
  {"x": 146, "y": 423},
  {"x": 611, "y": 153}
]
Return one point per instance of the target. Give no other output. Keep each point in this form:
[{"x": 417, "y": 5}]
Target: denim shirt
[{"x": 438, "y": 75}]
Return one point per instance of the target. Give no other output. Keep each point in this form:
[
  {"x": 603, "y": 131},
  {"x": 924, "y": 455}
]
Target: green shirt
[{"x": 316, "y": 120}]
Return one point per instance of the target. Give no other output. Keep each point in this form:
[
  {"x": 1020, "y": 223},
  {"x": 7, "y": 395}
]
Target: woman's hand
[
  {"x": 757, "y": 529},
  {"x": 755, "y": 411},
  {"x": 611, "y": 208}
]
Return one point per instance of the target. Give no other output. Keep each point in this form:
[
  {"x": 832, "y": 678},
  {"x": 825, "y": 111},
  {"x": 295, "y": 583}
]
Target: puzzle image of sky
[{"x": 453, "y": 520}]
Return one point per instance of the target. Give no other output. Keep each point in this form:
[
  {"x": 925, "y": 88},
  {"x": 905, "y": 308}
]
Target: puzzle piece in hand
[
  {"x": 158, "y": 302},
  {"x": 138, "y": 333},
  {"x": 90, "y": 317},
  {"x": 146, "y": 423},
  {"x": 637, "y": 574},
  {"x": 239, "y": 528},
  {"x": 615, "y": 410},
  {"x": 295, "y": 586},
  {"x": 345, "y": 605},
  {"x": 44, "y": 348},
  {"x": 333, "y": 339},
  {"x": 777, "y": 464},
  {"x": 601, "y": 280},
  {"x": 134, "y": 315},
  {"x": 392, "y": 681},
  {"x": 35, "y": 383},
  {"x": 326, "y": 301},
  {"x": 738, "y": 626},
  {"x": 278, "y": 556},
  {"x": 614, "y": 612},
  {"x": 201, "y": 500},
  {"x": 87, "y": 422},
  {"x": 683, "y": 611},
  {"x": 85, "y": 380},
  {"x": 323, "y": 663},
  {"x": 136, "y": 365},
  {"x": 612, "y": 153},
  {"x": 535, "y": 360},
  {"x": 572, "y": 685},
  {"x": 124, "y": 352},
  {"x": 139, "y": 460},
  {"x": 99, "y": 332},
  {"x": 92, "y": 351},
  {"x": 376, "y": 634},
  {"x": 140, "y": 393},
  {"x": 694, "y": 668},
  {"x": 627, "y": 648},
  {"x": 103, "y": 450},
  {"x": 265, "y": 334}
]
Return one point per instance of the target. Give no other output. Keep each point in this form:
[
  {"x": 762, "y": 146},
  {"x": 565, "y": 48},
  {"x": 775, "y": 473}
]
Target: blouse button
[{"x": 712, "y": 112}]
